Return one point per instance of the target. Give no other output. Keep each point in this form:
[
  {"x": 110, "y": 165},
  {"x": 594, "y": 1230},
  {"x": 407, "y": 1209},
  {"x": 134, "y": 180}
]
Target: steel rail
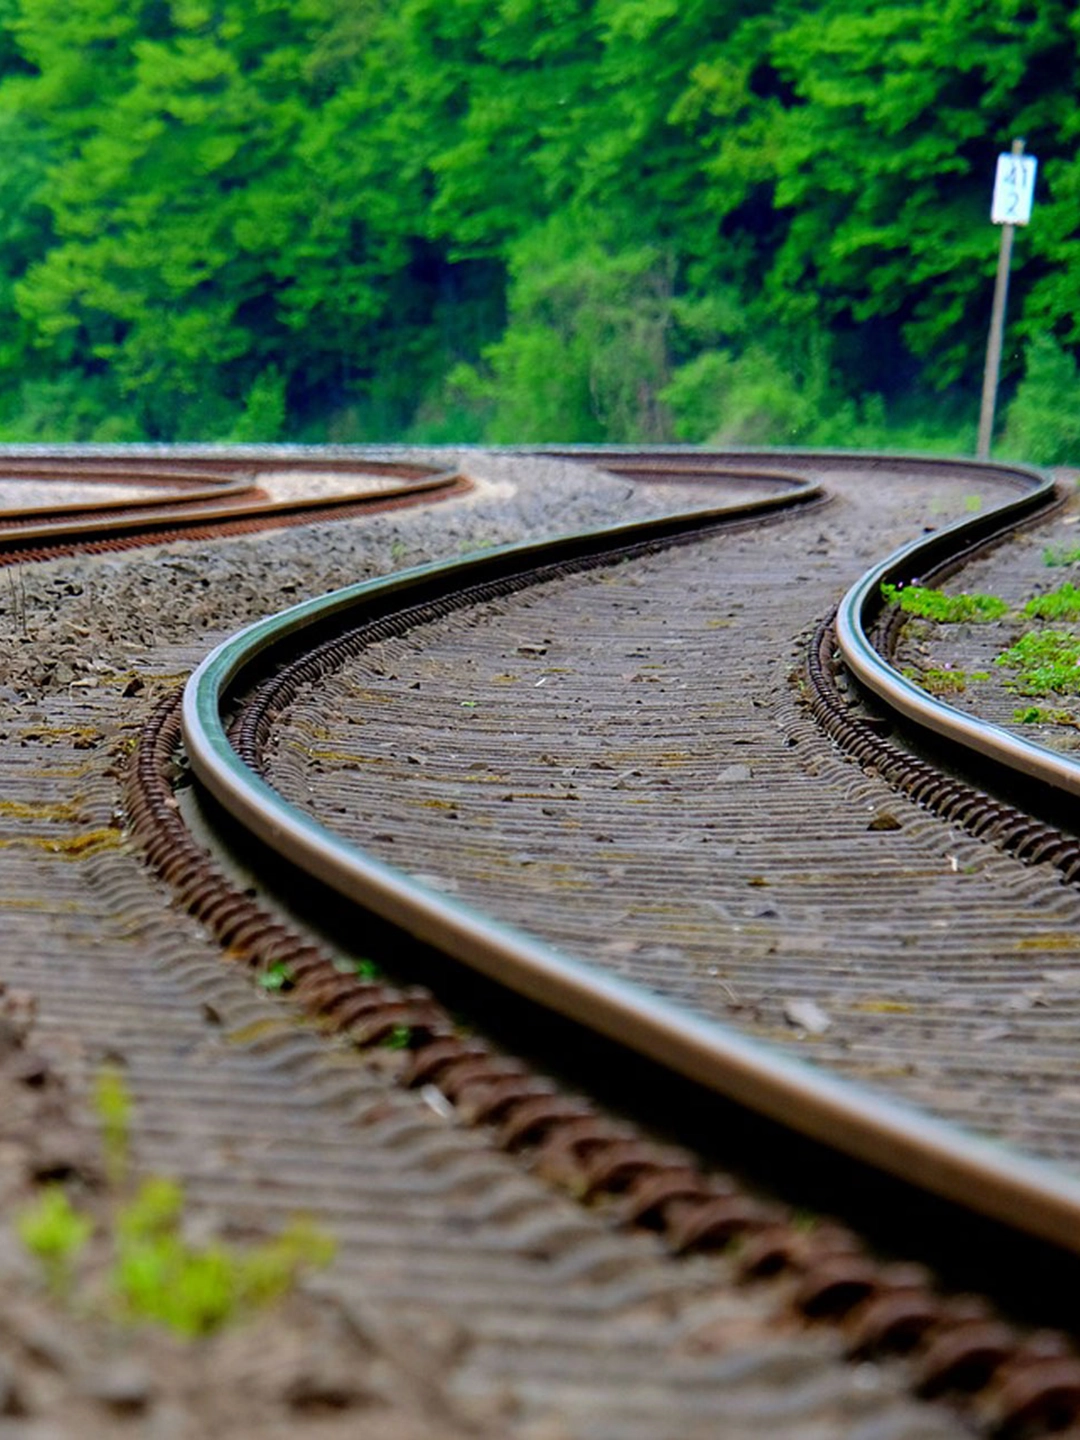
[
  {"x": 1016, "y": 1189},
  {"x": 921, "y": 557},
  {"x": 190, "y": 487},
  {"x": 147, "y": 517}
]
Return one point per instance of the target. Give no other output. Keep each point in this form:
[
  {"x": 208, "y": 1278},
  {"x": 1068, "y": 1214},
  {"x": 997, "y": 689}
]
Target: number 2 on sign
[{"x": 1014, "y": 187}]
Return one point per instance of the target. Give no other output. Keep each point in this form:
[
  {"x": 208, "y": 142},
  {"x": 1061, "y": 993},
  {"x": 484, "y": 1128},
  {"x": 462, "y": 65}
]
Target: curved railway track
[
  {"x": 388, "y": 620},
  {"x": 336, "y": 776},
  {"x": 556, "y": 762},
  {"x": 156, "y": 501}
]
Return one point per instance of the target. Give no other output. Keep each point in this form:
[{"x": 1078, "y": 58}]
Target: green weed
[
  {"x": 945, "y": 682},
  {"x": 156, "y": 1274},
  {"x": 1060, "y": 604},
  {"x": 1046, "y": 662},
  {"x": 54, "y": 1232},
  {"x": 113, "y": 1104},
  {"x": 366, "y": 969},
  {"x": 278, "y": 976},
  {"x": 1037, "y": 715},
  {"x": 945, "y": 609},
  {"x": 1053, "y": 557}
]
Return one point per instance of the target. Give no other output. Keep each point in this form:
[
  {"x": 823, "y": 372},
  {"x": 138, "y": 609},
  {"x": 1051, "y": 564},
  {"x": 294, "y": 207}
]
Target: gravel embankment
[{"x": 83, "y": 621}]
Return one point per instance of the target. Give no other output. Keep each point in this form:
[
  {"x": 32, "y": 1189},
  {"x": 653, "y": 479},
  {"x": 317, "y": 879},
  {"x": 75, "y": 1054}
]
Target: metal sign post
[{"x": 1014, "y": 187}]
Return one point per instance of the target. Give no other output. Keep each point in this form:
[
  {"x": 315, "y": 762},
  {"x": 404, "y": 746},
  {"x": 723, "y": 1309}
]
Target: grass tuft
[
  {"x": 1046, "y": 662},
  {"x": 1060, "y": 604},
  {"x": 1039, "y": 715},
  {"x": 157, "y": 1274},
  {"x": 278, "y": 976},
  {"x": 945, "y": 609},
  {"x": 1052, "y": 557},
  {"x": 945, "y": 681}
]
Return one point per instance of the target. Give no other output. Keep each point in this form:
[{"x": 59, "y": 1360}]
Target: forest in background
[{"x": 734, "y": 221}]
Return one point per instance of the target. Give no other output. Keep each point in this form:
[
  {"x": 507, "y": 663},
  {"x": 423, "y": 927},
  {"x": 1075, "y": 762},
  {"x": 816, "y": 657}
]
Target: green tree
[
  {"x": 585, "y": 351},
  {"x": 582, "y": 219},
  {"x": 1043, "y": 421},
  {"x": 886, "y": 157},
  {"x": 230, "y": 218}
]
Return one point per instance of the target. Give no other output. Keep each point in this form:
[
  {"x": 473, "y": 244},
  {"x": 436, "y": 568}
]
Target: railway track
[
  {"x": 349, "y": 772},
  {"x": 154, "y": 501},
  {"x": 366, "y": 671},
  {"x": 584, "y": 803}
]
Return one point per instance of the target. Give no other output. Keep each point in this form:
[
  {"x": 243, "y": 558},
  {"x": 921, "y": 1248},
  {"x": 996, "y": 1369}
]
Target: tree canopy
[{"x": 625, "y": 220}]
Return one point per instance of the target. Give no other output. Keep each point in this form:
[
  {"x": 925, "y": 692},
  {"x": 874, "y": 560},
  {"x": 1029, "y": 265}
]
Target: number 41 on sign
[{"x": 1014, "y": 186}]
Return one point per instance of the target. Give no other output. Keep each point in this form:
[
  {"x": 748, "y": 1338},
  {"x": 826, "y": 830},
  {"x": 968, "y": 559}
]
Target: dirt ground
[{"x": 71, "y": 1362}]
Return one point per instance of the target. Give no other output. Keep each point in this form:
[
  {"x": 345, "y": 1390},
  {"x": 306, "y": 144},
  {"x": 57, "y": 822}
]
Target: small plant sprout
[
  {"x": 112, "y": 1101},
  {"x": 278, "y": 976},
  {"x": 365, "y": 969},
  {"x": 945, "y": 609},
  {"x": 945, "y": 681},
  {"x": 1038, "y": 715},
  {"x": 54, "y": 1232},
  {"x": 156, "y": 1274},
  {"x": 1046, "y": 661},
  {"x": 192, "y": 1290},
  {"x": 1052, "y": 557},
  {"x": 1060, "y": 604}
]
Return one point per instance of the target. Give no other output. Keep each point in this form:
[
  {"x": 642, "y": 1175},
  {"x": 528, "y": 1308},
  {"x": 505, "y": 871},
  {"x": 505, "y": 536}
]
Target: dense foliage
[{"x": 745, "y": 220}]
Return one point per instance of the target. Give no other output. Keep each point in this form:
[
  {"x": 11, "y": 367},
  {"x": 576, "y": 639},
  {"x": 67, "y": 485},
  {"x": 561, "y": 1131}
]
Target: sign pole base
[{"x": 994, "y": 344}]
